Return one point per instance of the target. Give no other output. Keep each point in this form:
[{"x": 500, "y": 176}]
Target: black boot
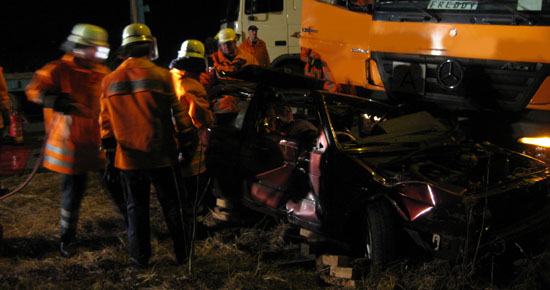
[{"x": 66, "y": 250}]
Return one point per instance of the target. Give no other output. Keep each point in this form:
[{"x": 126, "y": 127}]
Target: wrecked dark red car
[{"x": 369, "y": 174}]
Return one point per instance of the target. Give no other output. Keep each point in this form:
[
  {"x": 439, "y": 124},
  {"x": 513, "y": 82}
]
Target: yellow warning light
[{"x": 537, "y": 141}]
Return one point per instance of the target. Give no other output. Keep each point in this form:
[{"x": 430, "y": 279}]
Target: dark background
[{"x": 32, "y": 31}]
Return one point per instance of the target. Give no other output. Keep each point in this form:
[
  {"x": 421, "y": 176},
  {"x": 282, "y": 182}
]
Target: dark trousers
[
  {"x": 170, "y": 195},
  {"x": 72, "y": 192},
  {"x": 198, "y": 190}
]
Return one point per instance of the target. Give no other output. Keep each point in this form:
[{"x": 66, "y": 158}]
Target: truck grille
[{"x": 483, "y": 83}]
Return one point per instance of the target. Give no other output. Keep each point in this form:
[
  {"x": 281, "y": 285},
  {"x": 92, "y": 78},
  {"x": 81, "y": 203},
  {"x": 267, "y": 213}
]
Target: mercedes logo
[{"x": 449, "y": 74}]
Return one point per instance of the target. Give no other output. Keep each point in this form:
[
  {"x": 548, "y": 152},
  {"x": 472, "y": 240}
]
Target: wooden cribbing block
[
  {"x": 342, "y": 272},
  {"x": 339, "y": 281},
  {"x": 309, "y": 234},
  {"x": 224, "y": 215},
  {"x": 224, "y": 203},
  {"x": 333, "y": 260}
]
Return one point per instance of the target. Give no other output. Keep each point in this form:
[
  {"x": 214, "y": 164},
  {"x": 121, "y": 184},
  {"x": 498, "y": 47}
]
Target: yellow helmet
[
  {"x": 191, "y": 48},
  {"x": 136, "y": 32},
  {"x": 226, "y": 35},
  {"x": 88, "y": 34}
]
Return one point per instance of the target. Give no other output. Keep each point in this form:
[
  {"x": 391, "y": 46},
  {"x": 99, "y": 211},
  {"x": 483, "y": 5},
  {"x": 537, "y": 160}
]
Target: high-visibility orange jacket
[
  {"x": 4, "y": 98},
  {"x": 206, "y": 80},
  {"x": 73, "y": 140},
  {"x": 223, "y": 65},
  {"x": 137, "y": 106},
  {"x": 315, "y": 67},
  {"x": 192, "y": 94},
  {"x": 258, "y": 49}
]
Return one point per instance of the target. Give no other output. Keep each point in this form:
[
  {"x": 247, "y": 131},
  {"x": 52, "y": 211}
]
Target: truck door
[
  {"x": 340, "y": 33},
  {"x": 271, "y": 19}
]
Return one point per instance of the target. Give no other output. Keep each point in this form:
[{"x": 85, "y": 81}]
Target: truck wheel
[{"x": 380, "y": 233}]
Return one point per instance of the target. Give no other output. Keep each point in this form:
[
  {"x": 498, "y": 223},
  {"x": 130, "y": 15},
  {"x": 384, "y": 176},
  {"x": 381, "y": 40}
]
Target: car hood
[{"x": 462, "y": 168}]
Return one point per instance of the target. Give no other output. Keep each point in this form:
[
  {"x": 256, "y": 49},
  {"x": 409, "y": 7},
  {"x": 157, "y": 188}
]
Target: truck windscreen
[
  {"x": 264, "y": 6},
  {"x": 499, "y": 12},
  {"x": 229, "y": 11}
]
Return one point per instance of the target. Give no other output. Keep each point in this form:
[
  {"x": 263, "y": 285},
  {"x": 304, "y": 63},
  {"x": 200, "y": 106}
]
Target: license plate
[
  {"x": 408, "y": 78},
  {"x": 452, "y": 5}
]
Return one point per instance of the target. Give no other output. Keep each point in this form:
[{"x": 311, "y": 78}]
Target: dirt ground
[{"x": 262, "y": 255}]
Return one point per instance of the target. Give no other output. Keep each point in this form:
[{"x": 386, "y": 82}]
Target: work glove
[
  {"x": 187, "y": 143},
  {"x": 60, "y": 102},
  {"x": 111, "y": 174}
]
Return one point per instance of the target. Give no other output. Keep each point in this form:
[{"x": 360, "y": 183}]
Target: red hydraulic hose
[{"x": 33, "y": 173}]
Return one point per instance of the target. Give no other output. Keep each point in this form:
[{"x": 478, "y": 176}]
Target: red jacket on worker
[
  {"x": 145, "y": 131},
  {"x": 258, "y": 49},
  {"x": 73, "y": 141}
]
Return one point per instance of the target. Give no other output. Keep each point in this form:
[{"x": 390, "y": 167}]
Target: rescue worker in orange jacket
[
  {"x": 315, "y": 67},
  {"x": 70, "y": 87},
  {"x": 255, "y": 46},
  {"x": 228, "y": 59},
  {"x": 4, "y": 106},
  {"x": 138, "y": 104},
  {"x": 186, "y": 71}
]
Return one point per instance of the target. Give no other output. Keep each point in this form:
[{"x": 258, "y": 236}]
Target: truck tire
[{"x": 380, "y": 233}]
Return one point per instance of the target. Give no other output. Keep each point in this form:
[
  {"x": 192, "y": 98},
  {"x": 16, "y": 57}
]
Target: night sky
[{"x": 32, "y": 31}]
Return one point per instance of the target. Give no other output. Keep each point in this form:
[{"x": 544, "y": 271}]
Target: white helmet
[
  {"x": 191, "y": 48},
  {"x": 88, "y": 34}
]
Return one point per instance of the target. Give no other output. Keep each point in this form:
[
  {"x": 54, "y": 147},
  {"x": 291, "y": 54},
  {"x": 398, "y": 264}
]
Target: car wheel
[{"x": 380, "y": 233}]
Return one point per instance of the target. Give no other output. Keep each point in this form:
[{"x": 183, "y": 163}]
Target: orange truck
[{"x": 465, "y": 55}]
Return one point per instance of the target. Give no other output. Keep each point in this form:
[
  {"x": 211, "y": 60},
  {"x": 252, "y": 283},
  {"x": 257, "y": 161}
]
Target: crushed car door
[{"x": 283, "y": 135}]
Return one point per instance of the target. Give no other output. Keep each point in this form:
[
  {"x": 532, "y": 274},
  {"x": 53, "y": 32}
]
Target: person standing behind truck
[
  {"x": 138, "y": 111},
  {"x": 70, "y": 87},
  {"x": 255, "y": 46}
]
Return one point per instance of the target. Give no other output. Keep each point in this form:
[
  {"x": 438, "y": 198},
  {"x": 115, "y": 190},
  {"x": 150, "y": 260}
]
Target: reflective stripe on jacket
[
  {"x": 223, "y": 65},
  {"x": 258, "y": 50},
  {"x": 137, "y": 107},
  {"x": 73, "y": 140},
  {"x": 192, "y": 94},
  {"x": 315, "y": 67}
]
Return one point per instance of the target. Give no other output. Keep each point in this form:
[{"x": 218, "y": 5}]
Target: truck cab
[{"x": 466, "y": 56}]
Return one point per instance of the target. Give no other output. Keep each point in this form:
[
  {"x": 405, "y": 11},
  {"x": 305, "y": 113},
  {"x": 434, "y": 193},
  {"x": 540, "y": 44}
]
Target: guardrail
[{"x": 17, "y": 82}]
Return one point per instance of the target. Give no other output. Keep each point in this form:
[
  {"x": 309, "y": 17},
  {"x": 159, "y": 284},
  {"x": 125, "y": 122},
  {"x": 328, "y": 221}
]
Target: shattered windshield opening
[
  {"x": 505, "y": 12},
  {"x": 373, "y": 126}
]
